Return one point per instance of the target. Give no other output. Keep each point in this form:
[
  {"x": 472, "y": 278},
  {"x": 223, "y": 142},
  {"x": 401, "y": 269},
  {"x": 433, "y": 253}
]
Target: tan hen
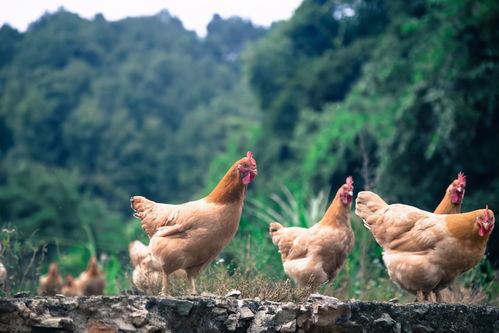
[
  {"x": 190, "y": 235},
  {"x": 424, "y": 252},
  {"x": 314, "y": 256}
]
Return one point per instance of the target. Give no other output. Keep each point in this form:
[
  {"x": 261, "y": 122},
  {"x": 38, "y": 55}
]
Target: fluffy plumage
[
  {"x": 424, "y": 252},
  {"x": 70, "y": 288},
  {"x": 50, "y": 283},
  {"x": 147, "y": 273},
  {"x": 190, "y": 235},
  {"x": 92, "y": 280},
  {"x": 3, "y": 274},
  {"x": 314, "y": 256}
]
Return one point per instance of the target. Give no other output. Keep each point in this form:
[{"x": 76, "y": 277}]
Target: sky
[{"x": 194, "y": 14}]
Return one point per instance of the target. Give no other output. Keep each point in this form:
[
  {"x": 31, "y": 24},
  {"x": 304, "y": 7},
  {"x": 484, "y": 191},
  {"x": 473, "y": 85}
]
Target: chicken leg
[{"x": 164, "y": 289}]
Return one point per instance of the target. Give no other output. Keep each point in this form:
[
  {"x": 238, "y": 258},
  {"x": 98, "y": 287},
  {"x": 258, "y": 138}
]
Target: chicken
[
  {"x": 50, "y": 283},
  {"x": 91, "y": 281},
  {"x": 137, "y": 251},
  {"x": 314, "y": 256},
  {"x": 453, "y": 198},
  {"x": 190, "y": 235},
  {"x": 70, "y": 288},
  {"x": 147, "y": 273},
  {"x": 3, "y": 275},
  {"x": 424, "y": 252}
]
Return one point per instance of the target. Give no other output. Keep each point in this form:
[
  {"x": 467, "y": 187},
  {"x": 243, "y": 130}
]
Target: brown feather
[
  {"x": 229, "y": 189},
  {"x": 446, "y": 206}
]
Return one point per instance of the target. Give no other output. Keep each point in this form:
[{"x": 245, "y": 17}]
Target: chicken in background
[
  {"x": 92, "y": 280},
  {"x": 315, "y": 255},
  {"x": 50, "y": 283},
  {"x": 70, "y": 288},
  {"x": 190, "y": 235},
  {"x": 424, "y": 252},
  {"x": 453, "y": 198},
  {"x": 3, "y": 275}
]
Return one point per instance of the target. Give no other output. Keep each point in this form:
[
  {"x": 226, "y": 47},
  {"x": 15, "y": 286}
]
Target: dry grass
[
  {"x": 219, "y": 282},
  {"x": 459, "y": 293}
]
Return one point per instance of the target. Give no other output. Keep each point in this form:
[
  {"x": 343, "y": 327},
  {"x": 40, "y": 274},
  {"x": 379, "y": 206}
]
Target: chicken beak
[{"x": 350, "y": 193}]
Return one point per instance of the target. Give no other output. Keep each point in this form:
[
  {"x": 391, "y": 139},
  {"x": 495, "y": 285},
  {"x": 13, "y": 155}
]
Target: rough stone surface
[{"x": 230, "y": 314}]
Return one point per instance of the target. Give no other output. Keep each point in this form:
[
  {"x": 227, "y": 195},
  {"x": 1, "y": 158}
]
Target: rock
[
  {"x": 234, "y": 293},
  {"x": 53, "y": 322},
  {"x": 217, "y": 312},
  {"x": 422, "y": 329},
  {"x": 22, "y": 294},
  {"x": 289, "y": 327},
  {"x": 231, "y": 322},
  {"x": 261, "y": 322},
  {"x": 139, "y": 317},
  {"x": 184, "y": 308},
  {"x": 284, "y": 315},
  {"x": 246, "y": 313},
  {"x": 394, "y": 300},
  {"x": 495, "y": 327},
  {"x": 384, "y": 323}
]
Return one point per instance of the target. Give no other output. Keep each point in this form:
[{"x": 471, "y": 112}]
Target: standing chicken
[
  {"x": 50, "y": 283},
  {"x": 453, "y": 198},
  {"x": 70, "y": 288},
  {"x": 190, "y": 235},
  {"x": 3, "y": 275},
  {"x": 147, "y": 273},
  {"x": 91, "y": 281},
  {"x": 425, "y": 252},
  {"x": 315, "y": 255}
]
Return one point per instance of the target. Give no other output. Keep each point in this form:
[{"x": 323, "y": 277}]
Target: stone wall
[{"x": 231, "y": 314}]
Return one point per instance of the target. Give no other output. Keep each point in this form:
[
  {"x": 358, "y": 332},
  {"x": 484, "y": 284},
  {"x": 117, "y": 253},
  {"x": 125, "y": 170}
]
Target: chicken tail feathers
[
  {"x": 367, "y": 204},
  {"x": 274, "y": 227},
  {"x": 146, "y": 211},
  {"x": 141, "y": 206}
]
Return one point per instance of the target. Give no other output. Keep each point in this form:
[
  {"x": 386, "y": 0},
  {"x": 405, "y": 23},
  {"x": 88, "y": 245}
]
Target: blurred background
[{"x": 400, "y": 95}]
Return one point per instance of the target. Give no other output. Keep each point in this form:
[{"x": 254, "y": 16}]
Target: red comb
[
  {"x": 461, "y": 178},
  {"x": 349, "y": 180},
  {"x": 249, "y": 155},
  {"x": 486, "y": 212}
]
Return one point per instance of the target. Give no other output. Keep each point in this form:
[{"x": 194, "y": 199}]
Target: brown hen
[
  {"x": 424, "y": 252},
  {"x": 314, "y": 256},
  {"x": 190, "y": 235}
]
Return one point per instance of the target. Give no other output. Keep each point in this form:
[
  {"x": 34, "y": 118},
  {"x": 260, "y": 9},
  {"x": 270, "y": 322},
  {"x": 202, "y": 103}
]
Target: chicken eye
[{"x": 245, "y": 165}]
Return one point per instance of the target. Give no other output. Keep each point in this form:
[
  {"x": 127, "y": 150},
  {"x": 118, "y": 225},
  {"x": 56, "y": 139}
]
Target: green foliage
[{"x": 23, "y": 258}]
